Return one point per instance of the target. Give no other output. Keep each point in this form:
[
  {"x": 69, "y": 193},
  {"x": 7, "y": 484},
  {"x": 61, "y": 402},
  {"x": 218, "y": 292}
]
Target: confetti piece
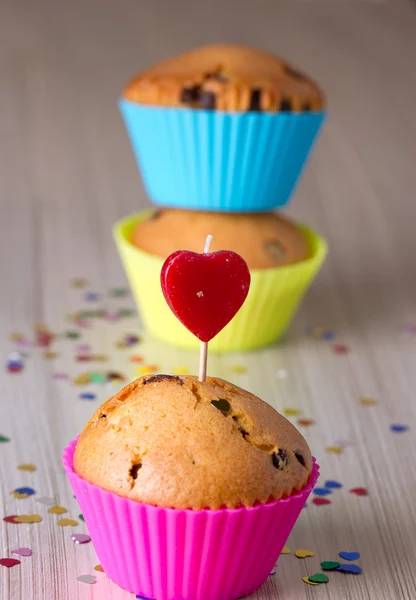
[
  {"x": 354, "y": 569},
  {"x": 67, "y": 523},
  {"x": 301, "y": 553},
  {"x": 305, "y": 422},
  {"x": 359, "y": 491},
  {"x": 129, "y": 339},
  {"x": 97, "y": 378},
  {"x": 329, "y": 565},
  {"x": 397, "y": 428},
  {"x": 82, "y": 379},
  {"x": 126, "y": 312},
  {"x": 319, "y": 578},
  {"x": 19, "y": 496},
  {"x": 237, "y": 369},
  {"x": 9, "y": 562},
  {"x": 322, "y": 491},
  {"x": 136, "y": 358},
  {"x": 181, "y": 370},
  {"x": 44, "y": 338},
  {"x": 81, "y": 517},
  {"x": 47, "y": 500},
  {"x": 16, "y": 336},
  {"x": 92, "y": 297},
  {"x": 78, "y": 282},
  {"x": 145, "y": 369},
  {"x": 22, "y": 552},
  {"x": 328, "y": 336},
  {"x": 49, "y": 355},
  {"x": 14, "y": 365},
  {"x": 349, "y": 555},
  {"x": 272, "y": 572},
  {"x": 27, "y": 467},
  {"x": 332, "y": 484},
  {"x": 88, "y": 396},
  {"x": 340, "y": 349},
  {"x": 119, "y": 292},
  {"x": 115, "y": 376},
  {"x": 60, "y": 376},
  {"x": 4, "y": 439},
  {"x": 99, "y": 568},
  {"x": 25, "y": 490},
  {"x": 11, "y": 519},
  {"x": 368, "y": 401},
  {"x": 334, "y": 449},
  {"x": 321, "y": 501},
  {"x": 281, "y": 373},
  {"x": 72, "y": 335},
  {"x": 28, "y": 519},
  {"x": 292, "y": 412},
  {"x": 306, "y": 580},
  {"x": 87, "y": 579},
  {"x": 286, "y": 550},
  {"x": 57, "y": 510},
  {"x": 81, "y": 538}
]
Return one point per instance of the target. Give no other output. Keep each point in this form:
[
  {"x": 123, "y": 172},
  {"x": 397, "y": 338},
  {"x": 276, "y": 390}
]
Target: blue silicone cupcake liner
[{"x": 209, "y": 160}]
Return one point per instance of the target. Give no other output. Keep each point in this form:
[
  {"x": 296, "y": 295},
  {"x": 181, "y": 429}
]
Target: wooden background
[{"x": 67, "y": 173}]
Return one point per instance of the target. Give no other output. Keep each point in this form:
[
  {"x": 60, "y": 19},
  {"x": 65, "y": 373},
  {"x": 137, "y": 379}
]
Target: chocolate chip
[
  {"x": 286, "y": 105},
  {"x": 217, "y": 77},
  {"x": 255, "y": 100},
  {"x": 222, "y": 405},
  {"x": 208, "y": 100},
  {"x": 134, "y": 470},
  {"x": 280, "y": 459},
  {"x": 103, "y": 416},
  {"x": 300, "y": 458},
  {"x": 190, "y": 94},
  {"x": 306, "y": 107},
  {"x": 294, "y": 73},
  {"x": 162, "y": 377}
]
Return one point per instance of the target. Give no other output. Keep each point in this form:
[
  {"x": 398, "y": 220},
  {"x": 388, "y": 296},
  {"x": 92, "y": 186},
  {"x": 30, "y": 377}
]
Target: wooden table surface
[{"x": 67, "y": 173}]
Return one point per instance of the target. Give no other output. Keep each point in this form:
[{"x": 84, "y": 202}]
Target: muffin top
[
  {"x": 175, "y": 442},
  {"x": 227, "y": 78},
  {"x": 264, "y": 240}
]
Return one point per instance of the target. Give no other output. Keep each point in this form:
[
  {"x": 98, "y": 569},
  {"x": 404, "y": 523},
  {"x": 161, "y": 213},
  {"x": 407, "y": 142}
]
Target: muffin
[
  {"x": 223, "y": 127},
  {"x": 275, "y": 293},
  {"x": 264, "y": 240},
  {"x": 189, "y": 490}
]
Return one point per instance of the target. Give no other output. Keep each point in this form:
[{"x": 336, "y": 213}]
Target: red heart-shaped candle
[{"x": 205, "y": 291}]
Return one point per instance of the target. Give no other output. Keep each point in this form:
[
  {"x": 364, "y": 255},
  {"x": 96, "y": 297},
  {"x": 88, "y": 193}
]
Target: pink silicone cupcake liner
[{"x": 168, "y": 554}]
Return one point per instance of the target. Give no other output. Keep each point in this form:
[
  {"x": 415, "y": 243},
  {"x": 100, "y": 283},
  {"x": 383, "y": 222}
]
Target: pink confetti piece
[
  {"x": 60, "y": 376},
  {"x": 81, "y": 538},
  {"x": 22, "y": 552}
]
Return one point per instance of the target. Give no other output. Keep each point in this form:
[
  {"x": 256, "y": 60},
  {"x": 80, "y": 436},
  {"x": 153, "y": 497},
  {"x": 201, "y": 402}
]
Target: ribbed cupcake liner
[
  {"x": 211, "y": 160},
  {"x": 270, "y": 305},
  {"x": 168, "y": 554}
]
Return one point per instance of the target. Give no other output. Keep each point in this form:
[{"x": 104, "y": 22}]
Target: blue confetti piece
[
  {"x": 355, "y": 569},
  {"x": 322, "y": 491},
  {"x": 25, "y": 490},
  {"x": 92, "y": 296},
  {"x": 397, "y": 428},
  {"x": 87, "y": 396},
  {"x": 328, "y": 336},
  {"x": 332, "y": 484},
  {"x": 349, "y": 555}
]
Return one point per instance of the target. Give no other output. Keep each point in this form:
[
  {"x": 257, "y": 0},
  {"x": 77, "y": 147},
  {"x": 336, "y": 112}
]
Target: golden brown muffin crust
[
  {"x": 264, "y": 240},
  {"x": 175, "y": 442},
  {"x": 228, "y": 78}
]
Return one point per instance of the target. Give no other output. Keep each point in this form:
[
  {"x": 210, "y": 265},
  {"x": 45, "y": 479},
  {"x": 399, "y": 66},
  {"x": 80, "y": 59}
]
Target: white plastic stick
[{"x": 203, "y": 352}]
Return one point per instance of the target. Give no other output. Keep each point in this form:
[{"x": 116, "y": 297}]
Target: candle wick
[{"x": 207, "y": 244}]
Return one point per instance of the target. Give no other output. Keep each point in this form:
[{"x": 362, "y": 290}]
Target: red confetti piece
[
  {"x": 321, "y": 501},
  {"x": 11, "y": 519},
  {"x": 305, "y": 422},
  {"x": 9, "y": 562},
  {"x": 359, "y": 491},
  {"x": 340, "y": 349}
]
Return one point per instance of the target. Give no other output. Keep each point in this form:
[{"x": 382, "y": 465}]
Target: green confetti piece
[
  {"x": 319, "y": 578},
  {"x": 4, "y": 439},
  {"x": 97, "y": 378},
  {"x": 81, "y": 517},
  {"x": 330, "y": 565},
  {"x": 72, "y": 335},
  {"x": 118, "y": 292},
  {"x": 126, "y": 312}
]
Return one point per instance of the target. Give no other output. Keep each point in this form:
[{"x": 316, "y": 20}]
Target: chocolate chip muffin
[
  {"x": 226, "y": 77},
  {"x": 264, "y": 240},
  {"x": 175, "y": 442}
]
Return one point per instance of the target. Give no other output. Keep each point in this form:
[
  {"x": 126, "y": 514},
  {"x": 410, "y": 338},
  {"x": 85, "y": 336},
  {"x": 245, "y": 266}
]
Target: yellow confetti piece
[
  {"x": 180, "y": 370},
  {"x": 16, "y": 336},
  {"x": 40, "y": 327},
  {"x": 28, "y": 519},
  {"x": 82, "y": 379},
  {"x": 18, "y": 495},
  {"x": 57, "y": 510},
  {"x": 50, "y": 355},
  {"x": 99, "y": 568},
  {"x": 292, "y": 412},
  {"x": 146, "y": 369},
  {"x": 318, "y": 331},
  {"x": 286, "y": 550},
  {"x": 27, "y": 467},
  {"x": 368, "y": 401},
  {"x": 239, "y": 369},
  {"x": 78, "y": 282},
  {"x": 99, "y": 357},
  {"x": 67, "y": 522},
  {"x": 334, "y": 449},
  {"x": 301, "y": 553},
  {"x": 306, "y": 580}
]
